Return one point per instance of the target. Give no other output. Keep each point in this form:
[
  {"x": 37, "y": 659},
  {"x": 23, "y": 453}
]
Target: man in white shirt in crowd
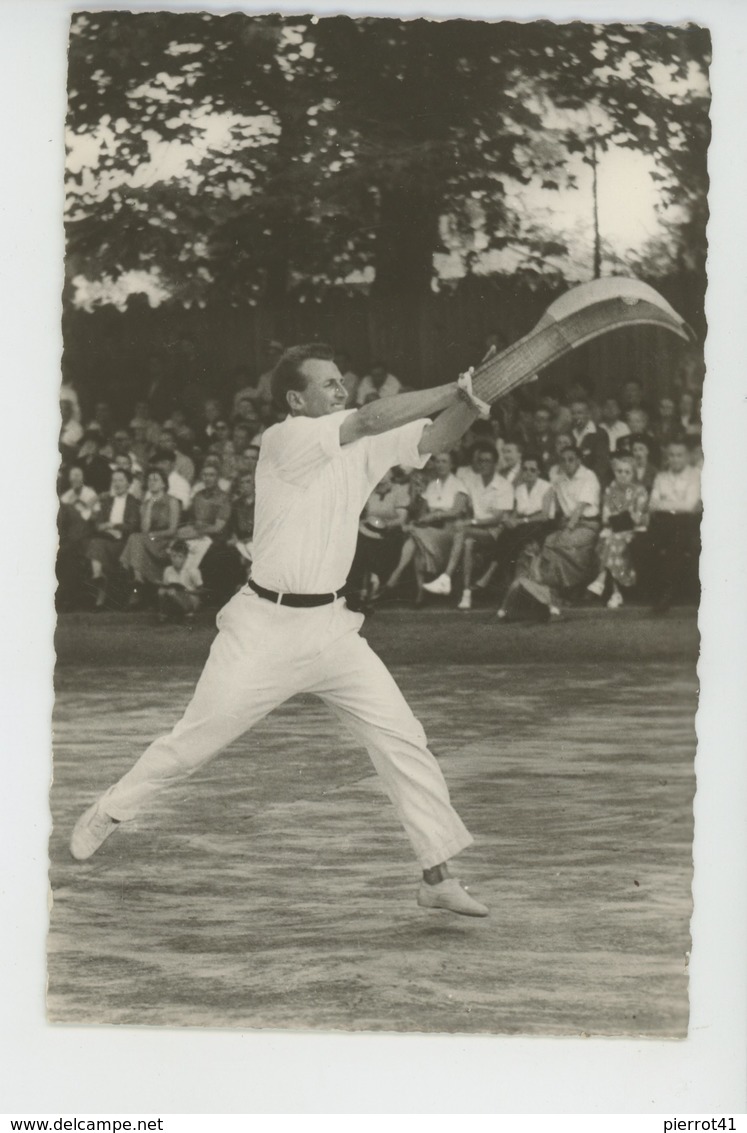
[
  {"x": 379, "y": 383},
  {"x": 674, "y": 526},
  {"x": 79, "y": 495},
  {"x": 592, "y": 444},
  {"x": 492, "y": 499},
  {"x": 289, "y": 630},
  {"x": 612, "y": 423}
]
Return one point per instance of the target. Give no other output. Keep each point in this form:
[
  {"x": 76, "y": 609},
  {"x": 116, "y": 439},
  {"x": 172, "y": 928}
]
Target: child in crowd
[
  {"x": 623, "y": 512},
  {"x": 178, "y": 594}
]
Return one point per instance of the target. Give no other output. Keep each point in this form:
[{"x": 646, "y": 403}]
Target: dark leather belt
[{"x": 299, "y": 600}]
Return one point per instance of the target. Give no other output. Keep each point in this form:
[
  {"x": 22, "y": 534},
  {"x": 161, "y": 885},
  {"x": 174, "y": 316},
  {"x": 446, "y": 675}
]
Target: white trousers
[{"x": 264, "y": 654}]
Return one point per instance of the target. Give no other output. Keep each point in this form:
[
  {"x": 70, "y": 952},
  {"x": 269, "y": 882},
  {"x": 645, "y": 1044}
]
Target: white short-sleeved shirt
[
  {"x": 491, "y": 498},
  {"x": 676, "y": 491},
  {"x": 310, "y": 494},
  {"x": 440, "y": 495},
  {"x": 531, "y": 502},
  {"x": 581, "y": 488}
]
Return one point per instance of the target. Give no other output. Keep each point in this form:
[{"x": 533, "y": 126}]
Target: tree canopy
[{"x": 251, "y": 156}]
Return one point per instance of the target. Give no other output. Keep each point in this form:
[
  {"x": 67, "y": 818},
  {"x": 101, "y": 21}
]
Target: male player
[{"x": 289, "y": 630}]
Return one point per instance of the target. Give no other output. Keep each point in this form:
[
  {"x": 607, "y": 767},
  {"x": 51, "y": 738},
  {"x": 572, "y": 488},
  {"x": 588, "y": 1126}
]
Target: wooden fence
[{"x": 113, "y": 355}]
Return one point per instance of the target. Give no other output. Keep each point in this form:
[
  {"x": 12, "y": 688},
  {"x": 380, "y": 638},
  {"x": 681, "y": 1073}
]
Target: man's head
[
  {"x": 165, "y": 459},
  {"x": 580, "y": 413},
  {"x": 477, "y": 452},
  {"x": 638, "y": 420},
  {"x": 121, "y": 480},
  {"x": 123, "y": 462},
  {"x": 511, "y": 454},
  {"x": 610, "y": 411},
  {"x": 66, "y": 410},
  {"x": 676, "y": 456},
  {"x": 632, "y": 394},
  {"x": 246, "y": 484},
  {"x": 210, "y": 476},
  {"x": 240, "y": 436},
  {"x": 570, "y": 461},
  {"x": 178, "y": 554},
  {"x": 307, "y": 382},
  {"x": 639, "y": 448},
  {"x": 247, "y": 411},
  {"x": 542, "y": 419},
  {"x": 121, "y": 442},
  {"x": 485, "y": 461},
  {"x": 530, "y": 469},
  {"x": 562, "y": 441},
  {"x": 75, "y": 478},
  {"x": 442, "y": 464}
]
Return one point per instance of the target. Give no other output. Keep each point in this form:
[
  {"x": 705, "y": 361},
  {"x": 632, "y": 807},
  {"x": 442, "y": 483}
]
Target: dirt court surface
[{"x": 277, "y": 890}]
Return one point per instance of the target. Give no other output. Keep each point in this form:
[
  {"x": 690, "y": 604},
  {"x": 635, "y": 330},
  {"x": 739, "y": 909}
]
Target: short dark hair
[
  {"x": 287, "y": 373},
  {"x": 179, "y": 547},
  {"x": 163, "y": 454},
  {"x": 122, "y": 472},
  {"x": 534, "y": 457},
  {"x": 154, "y": 470},
  {"x": 483, "y": 446}
]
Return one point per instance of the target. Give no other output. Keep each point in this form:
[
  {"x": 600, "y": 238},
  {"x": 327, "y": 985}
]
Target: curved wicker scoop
[{"x": 583, "y": 313}]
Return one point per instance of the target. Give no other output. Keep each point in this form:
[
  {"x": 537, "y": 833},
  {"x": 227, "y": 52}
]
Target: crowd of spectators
[{"x": 556, "y": 498}]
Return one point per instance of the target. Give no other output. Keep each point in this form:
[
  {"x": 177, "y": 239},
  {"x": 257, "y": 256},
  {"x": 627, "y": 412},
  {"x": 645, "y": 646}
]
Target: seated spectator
[
  {"x": 145, "y": 552},
  {"x": 530, "y": 521},
  {"x": 79, "y": 495},
  {"x": 666, "y": 428},
  {"x": 379, "y": 383},
  {"x": 179, "y": 591},
  {"x": 71, "y": 432},
  {"x": 562, "y": 442},
  {"x": 380, "y": 537},
  {"x": 121, "y": 445},
  {"x": 591, "y": 444},
  {"x": 509, "y": 465},
  {"x": 674, "y": 527},
  {"x": 632, "y": 398},
  {"x": 96, "y": 471},
  {"x": 183, "y": 463},
  {"x": 211, "y": 461},
  {"x": 432, "y": 532},
  {"x": 542, "y": 439},
  {"x": 204, "y": 534},
  {"x": 624, "y": 511},
  {"x": 240, "y": 528},
  {"x": 210, "y": 415},
  {"x": 644, "y": 471},
  {"x": 178, "y": 486},
  {"x": 688, "y": 412},
  {"x": 123, "y": 463},
  {"x": 118, "y": 517},
  {"x": 560, "y": 414},
  {"x": 638, "y": 420},
  {"x": 491, "y": 500},
  {"x": 612, "y": 424},
  {"x": 469, "y": 474},
  {"x": 567, "y": 558}
]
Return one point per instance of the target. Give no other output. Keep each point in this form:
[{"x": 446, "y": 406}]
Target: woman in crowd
[
  {"x": 118, "y": 518},
  {"x": 446, "y": 501},
  {"x": 380, "y": 537},
  {"x": 567, "y": 558},
  {"x": 644, "y": 471},
  {"x": 145, "y": 553},
  {"x": 624, "y": 511}
]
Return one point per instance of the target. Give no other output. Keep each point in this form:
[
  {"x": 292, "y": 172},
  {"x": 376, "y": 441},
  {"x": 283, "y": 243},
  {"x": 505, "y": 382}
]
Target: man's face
[
  {"x": 511, "y": 454},
  {"x": 240, "y": 438},
  {"x": 246, "y": 484},
  {"x": 120, "y": 442},
  {"x": 210, "y": 476},
  {"x": 610, "y": 411},
  {"x": 640, "y": 452},
  {"x": 562, "y": 441},
  {"x": 442, "y": 465},
  {"x": 542, "y": 421},
  {"x": 486, "y": 465},
  {"x": 580, "y": 414},
  {"x": 75, "y": 478},
  {"x": 119, "y": 484},
  {"x": 569, "y": 462},
  {"x": 638, "y": 420},
  {"x": 530, "y": 471},
  {"x": 676, "y": 457},
  {"x": 178, "y": 559},
  {"x": 122, "y": 461},
  {"x": 324, "y": 392}
]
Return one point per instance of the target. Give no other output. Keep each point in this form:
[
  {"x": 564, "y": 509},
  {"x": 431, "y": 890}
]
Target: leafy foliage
[{"x": 244, "y": 156}]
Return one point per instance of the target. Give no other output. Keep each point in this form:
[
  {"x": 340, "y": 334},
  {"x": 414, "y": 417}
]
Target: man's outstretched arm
[{"x": 387, "y": 413}]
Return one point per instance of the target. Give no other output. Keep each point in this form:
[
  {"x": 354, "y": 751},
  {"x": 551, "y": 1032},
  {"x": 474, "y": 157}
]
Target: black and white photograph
[
  {"x": 380, "y": 471},
  {"x": 383, "y": 353}
]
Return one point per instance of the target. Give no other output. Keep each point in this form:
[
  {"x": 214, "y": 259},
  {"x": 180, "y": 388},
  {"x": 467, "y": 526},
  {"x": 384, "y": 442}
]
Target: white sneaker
[
  {"x": 440, "y": 586},
  {"x": 616, "y": 601},
  {"x": 92, "y": 828},
  {"x": 452, "y": 896},
  {"x": 465, "y": 602}
]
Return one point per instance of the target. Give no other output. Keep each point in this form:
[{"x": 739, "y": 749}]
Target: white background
[{"x": 53, "y": 1070}]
